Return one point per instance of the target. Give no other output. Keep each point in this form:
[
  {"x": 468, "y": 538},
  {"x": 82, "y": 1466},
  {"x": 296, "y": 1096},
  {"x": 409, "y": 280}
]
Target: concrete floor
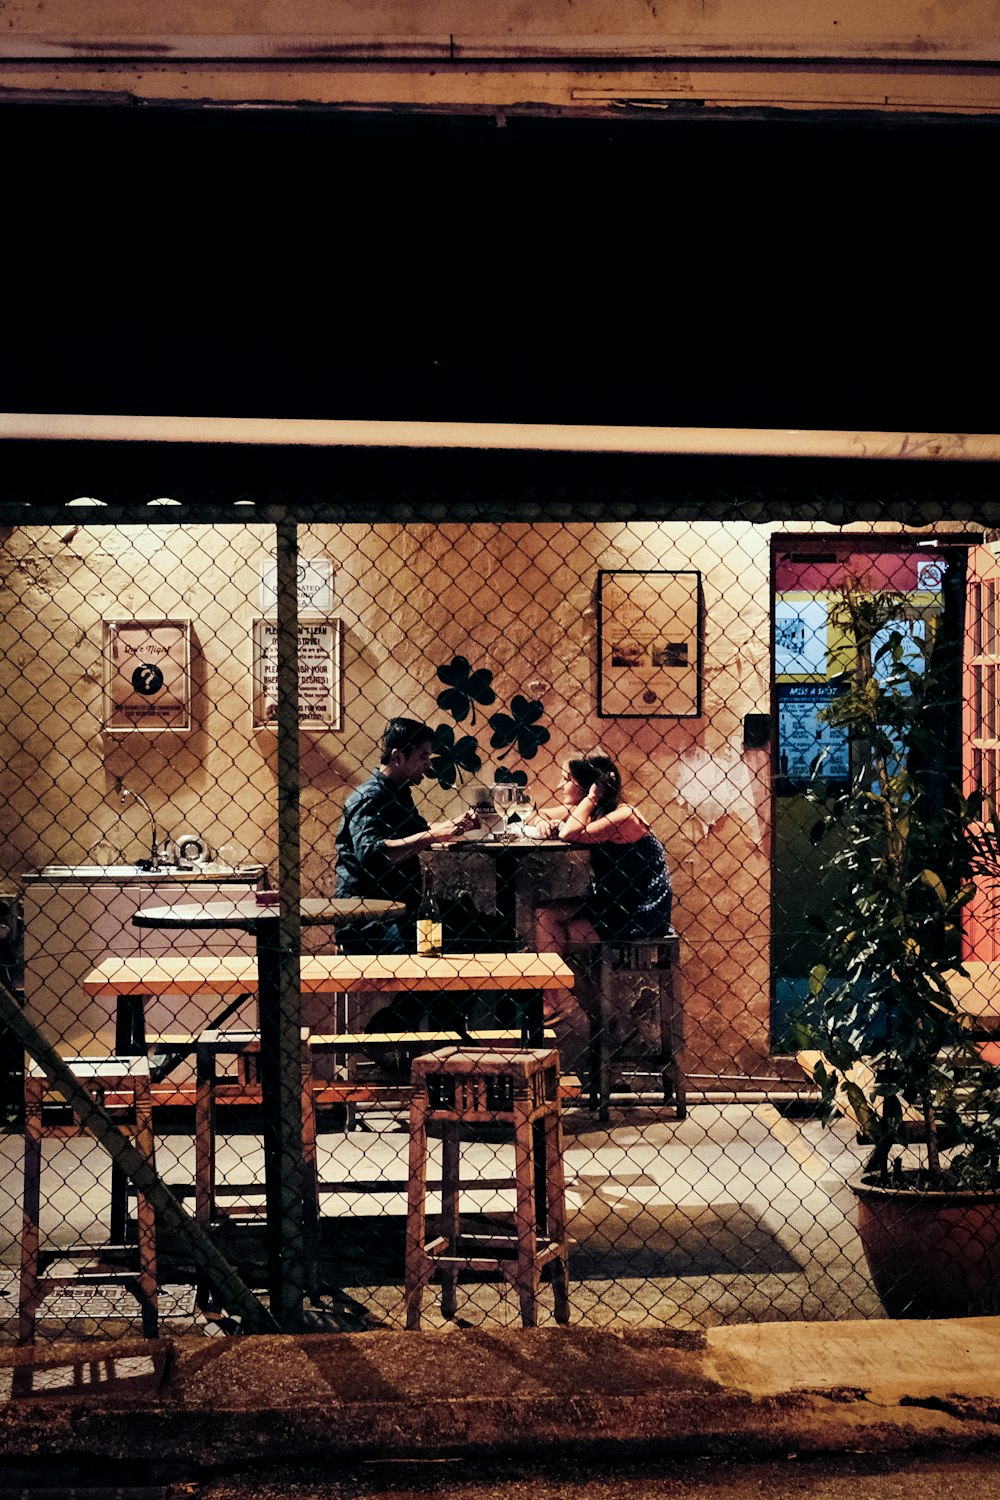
[{"x": 740, "y": 1213}]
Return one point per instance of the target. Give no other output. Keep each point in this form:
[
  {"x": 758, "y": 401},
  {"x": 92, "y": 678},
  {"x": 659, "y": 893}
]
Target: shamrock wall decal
[
  {"x": 504, "y": 774},
  {"x": 450, "y": 757},
  {"x": 465, "y": 689},
  {"x": 520, "y": 727},
  {"x": 466, "y": 686}
]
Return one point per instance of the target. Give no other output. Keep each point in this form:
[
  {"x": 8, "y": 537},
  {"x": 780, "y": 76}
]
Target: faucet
[{"x": 152, "y": 863}]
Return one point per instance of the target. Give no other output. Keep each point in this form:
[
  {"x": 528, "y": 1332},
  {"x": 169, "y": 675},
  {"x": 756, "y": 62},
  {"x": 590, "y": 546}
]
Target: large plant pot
[{"x": 931, "y": 1255}]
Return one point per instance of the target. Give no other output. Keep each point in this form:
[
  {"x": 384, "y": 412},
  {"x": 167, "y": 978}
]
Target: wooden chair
[
  {"x": 638, "y": 1022},
  {"x": 457, "y": 1091},
  {"x": 121, "y": 1084}
]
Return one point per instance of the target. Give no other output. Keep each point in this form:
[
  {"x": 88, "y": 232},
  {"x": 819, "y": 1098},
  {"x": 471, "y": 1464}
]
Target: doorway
[{"x": 813, "y": 760}]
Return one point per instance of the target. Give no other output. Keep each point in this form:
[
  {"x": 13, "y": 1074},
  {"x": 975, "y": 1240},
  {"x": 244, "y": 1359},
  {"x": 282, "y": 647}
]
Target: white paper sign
[
  {"x": 319, "y": 673},
  {"x": 800, "y": 644},
  {"x": 315, "y": 576}
]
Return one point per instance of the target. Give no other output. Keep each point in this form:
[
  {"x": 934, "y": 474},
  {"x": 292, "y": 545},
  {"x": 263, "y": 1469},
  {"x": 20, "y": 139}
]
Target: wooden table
[
  {"x": 246, "y": 914},
  {"x": 519, "y": 865}
]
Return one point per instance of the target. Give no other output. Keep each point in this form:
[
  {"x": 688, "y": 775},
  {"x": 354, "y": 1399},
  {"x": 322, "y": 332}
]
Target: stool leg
[
  {"x": 450, "y": 1166},
  {"x": 29, "y": 1298},
  {"x": 145, "y": 1216},
  {"x": 417, "y": 1265},
  {"x": 526, "y": 1278},
  {"x": 603, "y": 1042},
  {"x": 556, "y": 1197},
  {"x": 672, "y": 1033}
]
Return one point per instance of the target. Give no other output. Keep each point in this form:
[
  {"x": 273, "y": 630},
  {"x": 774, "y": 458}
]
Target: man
[{"x": 381, "y": 837}]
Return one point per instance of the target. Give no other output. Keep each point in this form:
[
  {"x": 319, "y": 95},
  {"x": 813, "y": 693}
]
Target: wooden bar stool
[
  {"x": 457, "y": 1091},
  {"x": 639, "y": 1022},
  {"x": 121, "y": 1084}
]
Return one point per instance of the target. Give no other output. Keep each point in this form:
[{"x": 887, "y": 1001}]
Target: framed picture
[
  {"x": 319, "y": 674},
  {"x": 147, "y": 676},
  {"x": 649, "y": 643}
]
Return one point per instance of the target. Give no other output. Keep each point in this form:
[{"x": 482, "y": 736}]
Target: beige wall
[
  {"x": 516, "y": 599},
  {"x": 800, "y": 54}
]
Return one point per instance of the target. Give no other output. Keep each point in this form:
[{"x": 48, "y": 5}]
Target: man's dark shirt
[{"x": 377, "y": 811}]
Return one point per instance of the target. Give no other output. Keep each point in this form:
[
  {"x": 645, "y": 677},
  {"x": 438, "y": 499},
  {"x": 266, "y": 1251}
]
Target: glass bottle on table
[{"x": 430, "y": 933}]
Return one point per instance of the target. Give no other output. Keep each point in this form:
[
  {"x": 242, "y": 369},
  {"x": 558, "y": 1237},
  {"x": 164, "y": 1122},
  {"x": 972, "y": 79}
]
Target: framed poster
[
  {"x": 147, "y": 676},
  {"x": 649, "y": 644},
  {"x": 319, "y": 674}
]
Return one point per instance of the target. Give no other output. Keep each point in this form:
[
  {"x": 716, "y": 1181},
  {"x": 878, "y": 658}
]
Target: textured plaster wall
[
  {"x": 734, "y": 20},
  {"x": 517, "y": 600}
]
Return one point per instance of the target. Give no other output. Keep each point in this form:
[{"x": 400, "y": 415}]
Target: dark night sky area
[{"x": 747, "y": 273}]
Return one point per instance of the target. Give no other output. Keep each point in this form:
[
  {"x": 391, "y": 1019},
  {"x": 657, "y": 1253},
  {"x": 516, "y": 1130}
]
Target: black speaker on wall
[{"x": 756, "y": 731}]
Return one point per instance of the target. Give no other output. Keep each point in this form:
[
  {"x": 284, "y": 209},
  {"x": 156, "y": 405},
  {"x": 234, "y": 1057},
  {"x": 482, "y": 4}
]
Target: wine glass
[
  {"x": 524, "y": 802},
  {"x": 504, "y": 796}
]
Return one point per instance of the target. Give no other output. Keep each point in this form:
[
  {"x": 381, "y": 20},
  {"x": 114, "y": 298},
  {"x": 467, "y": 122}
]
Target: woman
[{"x": 630, "y": 895}]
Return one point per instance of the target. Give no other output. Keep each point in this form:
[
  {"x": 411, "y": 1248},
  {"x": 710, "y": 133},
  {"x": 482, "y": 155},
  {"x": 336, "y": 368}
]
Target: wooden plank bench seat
[{"x": 233, "y": 974}]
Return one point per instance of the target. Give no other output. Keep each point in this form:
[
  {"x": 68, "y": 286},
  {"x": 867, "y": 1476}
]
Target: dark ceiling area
[{"x": 815, "y": 273}]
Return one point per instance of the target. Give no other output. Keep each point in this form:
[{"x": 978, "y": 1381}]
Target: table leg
[
  {"x": 130, "y": 1041},
  {"x": 269, "y": 1015},
  {"x": 505, "y": 874}
]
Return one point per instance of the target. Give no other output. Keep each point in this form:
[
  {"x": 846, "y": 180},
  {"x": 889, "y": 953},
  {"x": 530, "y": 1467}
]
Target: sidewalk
[{"x": 741, "y": 1390}]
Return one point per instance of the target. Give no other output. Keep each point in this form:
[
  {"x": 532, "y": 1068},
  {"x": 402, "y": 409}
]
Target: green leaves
[
  {"x": 905, "y": 851},
  {"x": 520, "y": 727},
  {"x": 465, "y": 689}
]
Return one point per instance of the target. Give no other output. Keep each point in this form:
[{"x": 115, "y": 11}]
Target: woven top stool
[
  {"x": 457, "y": 1092},
  {"x": 121, "y": 1084}
]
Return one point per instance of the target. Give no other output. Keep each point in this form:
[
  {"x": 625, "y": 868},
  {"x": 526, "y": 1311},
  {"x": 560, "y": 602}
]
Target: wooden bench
[
  {"x": 232, "y": 975},
  {"x": 329, "y": 974}
]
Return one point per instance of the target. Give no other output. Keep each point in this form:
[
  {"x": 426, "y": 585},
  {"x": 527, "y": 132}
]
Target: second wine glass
[{"x": 504, "y": 795}]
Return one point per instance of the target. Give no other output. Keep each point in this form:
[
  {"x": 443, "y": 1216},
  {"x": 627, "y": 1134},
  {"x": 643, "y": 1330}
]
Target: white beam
[{"x": 514, "y": 436}]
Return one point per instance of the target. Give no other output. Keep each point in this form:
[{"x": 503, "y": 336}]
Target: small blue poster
[{"x": 807, "y": 745}]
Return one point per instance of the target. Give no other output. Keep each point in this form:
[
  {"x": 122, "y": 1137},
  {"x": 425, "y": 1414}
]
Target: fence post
[{"x": 282, "y": 1074}]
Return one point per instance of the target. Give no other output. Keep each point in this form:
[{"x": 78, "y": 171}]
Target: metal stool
[
  {"x": 121, "y": 1084},
  {"x": 643, "y": 1032},
  {"x": 456, "y": 1092}
]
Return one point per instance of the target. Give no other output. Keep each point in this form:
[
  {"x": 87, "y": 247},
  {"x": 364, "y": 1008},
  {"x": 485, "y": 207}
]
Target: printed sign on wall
[
  {"x": 319, "y": 674},
  {"x": 807, "y": 745},
  {"x": 147, "y": 676},
  {"x": 315, "y": 585}
]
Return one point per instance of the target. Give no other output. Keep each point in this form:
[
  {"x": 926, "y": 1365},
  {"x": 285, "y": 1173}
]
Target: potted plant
[{"x": 895, "y": 1053}]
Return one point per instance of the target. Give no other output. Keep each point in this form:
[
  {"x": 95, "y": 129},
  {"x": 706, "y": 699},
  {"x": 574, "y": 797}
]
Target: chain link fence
[{"x": 146, "y": 769}]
